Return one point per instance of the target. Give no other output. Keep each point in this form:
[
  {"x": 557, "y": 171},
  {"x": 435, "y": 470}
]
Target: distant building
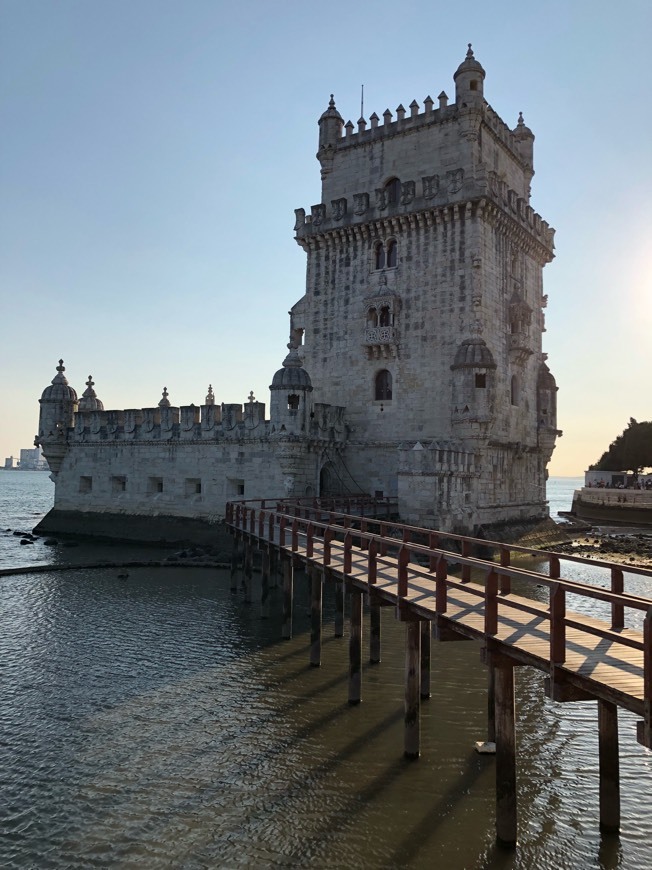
[
  {"x": 10, "y": 462},
  {"x": 415, "y": 365},
  {"x": 32, "y": 459}
]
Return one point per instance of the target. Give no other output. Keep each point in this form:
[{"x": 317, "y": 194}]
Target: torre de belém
[{"x": 415, "y": 365}]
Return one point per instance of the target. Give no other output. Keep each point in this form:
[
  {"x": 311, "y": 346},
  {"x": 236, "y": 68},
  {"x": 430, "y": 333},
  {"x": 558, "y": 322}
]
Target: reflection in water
[{"x": 159, "y": 722}]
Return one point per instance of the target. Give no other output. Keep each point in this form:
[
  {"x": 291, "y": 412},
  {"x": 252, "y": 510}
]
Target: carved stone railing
[{"x": 380, "y": 335}]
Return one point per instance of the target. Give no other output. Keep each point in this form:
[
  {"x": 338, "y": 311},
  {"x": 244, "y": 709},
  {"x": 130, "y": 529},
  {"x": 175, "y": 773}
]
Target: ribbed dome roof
[
  {"x": 473, "y": 353},
  {"x": 292, "y": 376},
  {"x": 331, "y": 111},
  {"x": 545, "y": 379},
  {"x": 89, "y": 400},
  {"x": 470, "y": 64},
  {"x": 522, "y": 131},
  {"x": 60, "y": 390}
]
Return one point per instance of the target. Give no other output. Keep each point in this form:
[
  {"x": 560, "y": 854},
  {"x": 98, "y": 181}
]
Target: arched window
[
  {"x": 293, "y": 402},
  {"x": 385, "y": 317},
  {"x": 515, "y": 391},
  {"x": 391, "y": 253},
  {"x": 372, "y": 317},
  {"x": 393, "y": 190},
  {"x": 383, "y": 390},
  {"x": 379, "y": 255}
]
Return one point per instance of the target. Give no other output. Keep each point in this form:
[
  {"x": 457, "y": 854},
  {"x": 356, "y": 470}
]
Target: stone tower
[{"x": 423, "y": 311}]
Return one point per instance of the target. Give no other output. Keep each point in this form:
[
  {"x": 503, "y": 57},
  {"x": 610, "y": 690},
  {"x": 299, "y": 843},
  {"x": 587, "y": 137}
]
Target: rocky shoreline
[{"x": 626, "y": 546}]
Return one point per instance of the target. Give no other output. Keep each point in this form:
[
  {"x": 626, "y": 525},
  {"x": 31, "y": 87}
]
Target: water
[
  {"x": 560, "y": 494},
  {"x": 158, "y": 722}
]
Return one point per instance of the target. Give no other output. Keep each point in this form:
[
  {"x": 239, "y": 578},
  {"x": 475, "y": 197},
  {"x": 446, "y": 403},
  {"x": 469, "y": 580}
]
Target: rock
[
  {"x": 26, "y": 541},
  {"x": 51, "y": 542}
]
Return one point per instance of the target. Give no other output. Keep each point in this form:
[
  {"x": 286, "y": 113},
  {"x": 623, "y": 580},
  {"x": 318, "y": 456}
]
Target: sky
[{"x": 152, "y": 153}]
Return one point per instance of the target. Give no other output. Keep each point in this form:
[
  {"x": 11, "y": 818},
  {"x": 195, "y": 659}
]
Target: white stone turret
[
  {"x": 469, "y": 82},
  {"x": 290, "y": 401},
  {"x": 331, "y": 125},
  {"x": 524, "y": 141},
  {"x": 56, "y": 416}
]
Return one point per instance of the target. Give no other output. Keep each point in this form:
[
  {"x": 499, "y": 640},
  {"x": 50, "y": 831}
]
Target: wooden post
[
  {"x": 491, "y": 702},
  {"x": 339, "y": 608},
  {"x": 412, "y": 734},
  {"x": 609, "y": 769},
  {"x": 617, "y": 609},
  {"x": 402, "y": 568},
  {"x": 355, "y": 648},
  {"x": 506, "y": 815},
  {"x": 288, "y": 595},
  {"x": 426, "y": 636},
  {"x": 505, "y": 579},
  {"x": 374, "y": 629},
  {"x": 247, "y": 574},
  {"x": 265, "y": 566},
  {"x": 441, "y": 589},
  {"x": 491, "y": 603},
  {"x": 316, "y": 580},
  {"x": 644, "y": 728},
  {"x": 557, "y": 625}
]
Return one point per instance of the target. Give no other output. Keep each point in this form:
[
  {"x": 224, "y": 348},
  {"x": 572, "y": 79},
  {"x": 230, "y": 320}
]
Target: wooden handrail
[{"x": 412, "y": 546}]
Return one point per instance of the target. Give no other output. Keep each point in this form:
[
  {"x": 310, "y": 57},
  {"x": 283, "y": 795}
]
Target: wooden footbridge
[{"x": 449, "y": 587}]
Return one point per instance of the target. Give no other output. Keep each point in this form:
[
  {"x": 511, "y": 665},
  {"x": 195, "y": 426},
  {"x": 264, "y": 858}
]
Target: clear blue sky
[{"x": 152, "y": 153}]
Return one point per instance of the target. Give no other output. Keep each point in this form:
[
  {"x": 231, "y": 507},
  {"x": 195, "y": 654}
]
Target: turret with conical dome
[
  {"x": 290, "y": 395},
  {"x": 58, "y": 406},
  {"x": 469, "y": 82},
  {"x": 331, "y": 124}
]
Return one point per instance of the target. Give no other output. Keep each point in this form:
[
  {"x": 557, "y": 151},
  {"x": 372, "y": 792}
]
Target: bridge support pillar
[
  {"x": 374, "y": 629},
  {"x": 316, "y": 598},
  {"x": 265, "y": 566},
  {"x": 235, "y": 561},
  {"x": 412, "y": 734},
  {"x": 355, "y": 648},
  {"x": 609, "y": 767},
  {"x": 491, "y": 703},
  {"x": 506, "y": 810},
  {"x": 288, "y": 596},
  {"x": 247, "y": 574},
  {"x": 274, "y": 568},
  {"x": 339, "y": 608},
  {"x": 426, "y": 638}
]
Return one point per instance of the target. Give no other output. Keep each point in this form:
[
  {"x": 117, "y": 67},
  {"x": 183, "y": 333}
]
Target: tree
[{"x": 631, "y": 451}]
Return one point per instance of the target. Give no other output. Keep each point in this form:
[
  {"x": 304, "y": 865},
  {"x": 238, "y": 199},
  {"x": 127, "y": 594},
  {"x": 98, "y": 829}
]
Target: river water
[{"x": 156, "y": 721}]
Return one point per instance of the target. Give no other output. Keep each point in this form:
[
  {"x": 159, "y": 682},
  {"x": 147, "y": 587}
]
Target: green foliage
[{"x": 631, "y": 451}]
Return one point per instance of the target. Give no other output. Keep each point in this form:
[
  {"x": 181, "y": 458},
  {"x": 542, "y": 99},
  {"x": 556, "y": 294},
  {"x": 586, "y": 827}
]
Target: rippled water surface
[{"x": 156, "y": 721}]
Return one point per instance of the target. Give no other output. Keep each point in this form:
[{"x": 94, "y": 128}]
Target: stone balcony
[{"x": 380, "y": 341}]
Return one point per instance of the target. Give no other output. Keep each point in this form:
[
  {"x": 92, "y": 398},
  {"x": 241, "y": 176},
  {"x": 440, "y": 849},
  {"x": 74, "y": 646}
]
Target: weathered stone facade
[{"x": 415, "y": 366}]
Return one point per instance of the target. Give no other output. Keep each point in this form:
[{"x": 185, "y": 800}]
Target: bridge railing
[{"x": 335, "y": 539}]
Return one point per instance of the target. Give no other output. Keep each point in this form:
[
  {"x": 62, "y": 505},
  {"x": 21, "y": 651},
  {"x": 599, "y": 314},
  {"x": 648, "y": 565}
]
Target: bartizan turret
[
  {"x": 331, "y": 124},
  {"x": 469, "y": 83},
  {"x": 290, "y": 400},
  {"x": 57, "y": 415}
]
